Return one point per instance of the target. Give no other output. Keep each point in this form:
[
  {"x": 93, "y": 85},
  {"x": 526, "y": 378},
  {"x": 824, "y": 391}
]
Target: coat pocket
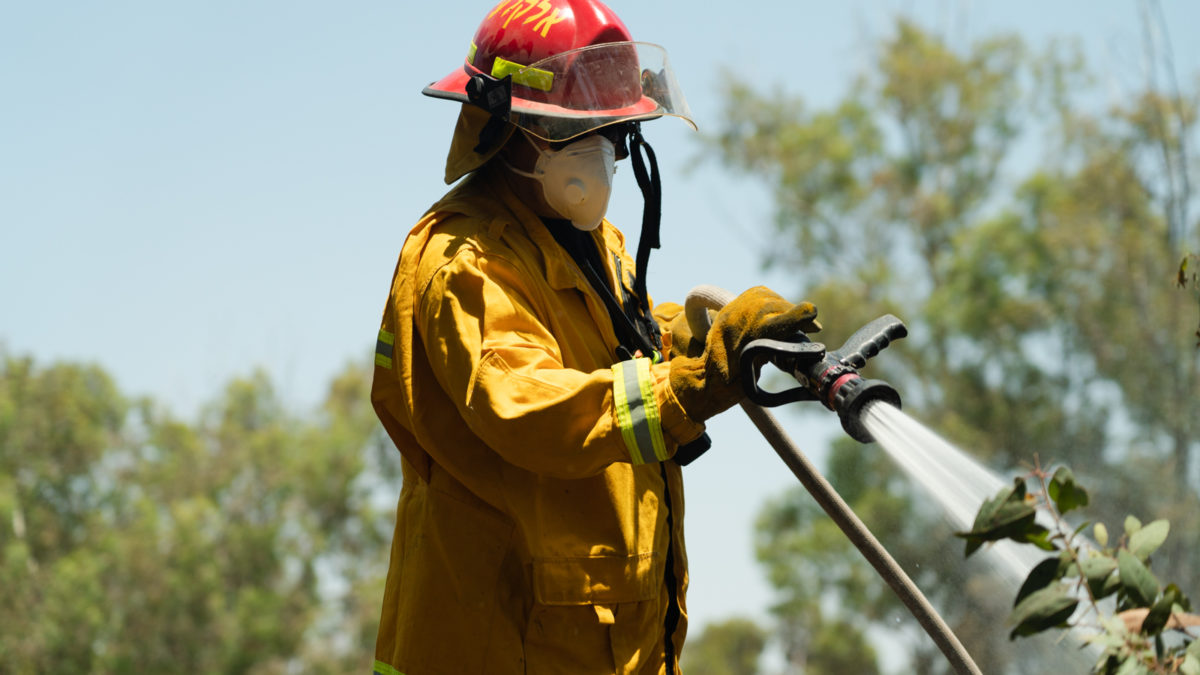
[
  {"x": 605, "y": 580},
  {"x": 587, "y": 609}
]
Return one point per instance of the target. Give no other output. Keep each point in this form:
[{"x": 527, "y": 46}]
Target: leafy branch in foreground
[{"x": 1149, "y": 629}]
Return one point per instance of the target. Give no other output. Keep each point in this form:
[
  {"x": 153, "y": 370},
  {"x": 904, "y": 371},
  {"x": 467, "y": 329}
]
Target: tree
[
  {"x": 145, "y": 544},
  {"x": 731, "y": 647},
  {"x": 1041, "y": 313},
  {"x": 827, "y": 594}
]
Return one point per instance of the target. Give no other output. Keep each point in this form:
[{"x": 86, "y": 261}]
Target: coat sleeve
[{"x": 502, "y": 367}]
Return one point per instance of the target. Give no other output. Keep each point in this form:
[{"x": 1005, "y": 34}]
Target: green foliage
[
  {"x": 1083, "y": 572},
  {"x": 837, "y": 647},
  {"x": 731, "y": 647},
  {"x": 1007, "y": 515},
  {"x": 1066, "y": 495},
  {"x": 1147, "y": 539},
  {"x": 822, "y": 583},
  {"x": 141, "y": 543},
  {"x": 1044, "y": 608}
]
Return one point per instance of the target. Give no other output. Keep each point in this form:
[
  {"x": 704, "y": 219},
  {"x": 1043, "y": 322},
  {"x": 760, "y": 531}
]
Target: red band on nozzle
[{"x": 837, "y": 384}]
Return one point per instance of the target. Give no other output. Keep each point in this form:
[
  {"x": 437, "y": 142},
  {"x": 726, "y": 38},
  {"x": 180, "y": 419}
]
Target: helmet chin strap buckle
[{"x": 494, "y": 96}]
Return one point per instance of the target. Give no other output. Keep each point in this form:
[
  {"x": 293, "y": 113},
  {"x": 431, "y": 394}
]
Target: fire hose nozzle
[
  {"x": 829, "y": 377},
  {"x": 851, "y": 399}
]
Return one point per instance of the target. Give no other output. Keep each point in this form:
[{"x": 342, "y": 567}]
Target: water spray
[{"x": 833, "y": 379}]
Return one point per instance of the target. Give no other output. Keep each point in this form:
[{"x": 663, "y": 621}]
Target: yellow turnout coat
[{"x": 539, "y": 510}]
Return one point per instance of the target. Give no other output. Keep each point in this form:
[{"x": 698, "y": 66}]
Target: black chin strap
[{"x": 651, "y": 188}]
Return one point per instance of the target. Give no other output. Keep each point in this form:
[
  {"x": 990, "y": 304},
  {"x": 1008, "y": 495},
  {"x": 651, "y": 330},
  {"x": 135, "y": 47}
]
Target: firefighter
[{"x": 520, "y": 370}]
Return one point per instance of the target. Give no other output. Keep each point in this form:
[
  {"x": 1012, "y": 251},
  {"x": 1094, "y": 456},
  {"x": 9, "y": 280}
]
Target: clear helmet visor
[{"x": 581, "y": 90}]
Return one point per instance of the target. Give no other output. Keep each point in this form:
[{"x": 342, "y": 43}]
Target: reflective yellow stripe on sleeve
[
  {"x": 384, "y": 348},
  {"x": 382, "y": 668},
  {"x": 637, "y": 411}
]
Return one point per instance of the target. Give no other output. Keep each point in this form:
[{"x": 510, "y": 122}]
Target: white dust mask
[{"x": 576, "y": 180}]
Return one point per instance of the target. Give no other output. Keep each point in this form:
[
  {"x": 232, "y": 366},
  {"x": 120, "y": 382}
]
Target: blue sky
[{"x": 191, "y": 190}]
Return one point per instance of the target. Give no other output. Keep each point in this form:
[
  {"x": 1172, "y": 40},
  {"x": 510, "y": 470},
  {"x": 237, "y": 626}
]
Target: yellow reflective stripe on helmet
[
  {"x": 637, "y": 411},
  {"x": 534, "y": 78},
  {"x": 384, "y": 349},
  {"x": 471, "y": 53},
  {"x": 382, "y": 668}
]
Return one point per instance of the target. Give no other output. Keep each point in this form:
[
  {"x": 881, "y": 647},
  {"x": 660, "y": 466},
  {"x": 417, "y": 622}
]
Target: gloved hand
[
  {"x": 706, "y": 381},
  {"x": 677, "y": 335}
]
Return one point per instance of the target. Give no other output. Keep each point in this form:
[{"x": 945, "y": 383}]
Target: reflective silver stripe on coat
[{"x": 637, "y": 411}]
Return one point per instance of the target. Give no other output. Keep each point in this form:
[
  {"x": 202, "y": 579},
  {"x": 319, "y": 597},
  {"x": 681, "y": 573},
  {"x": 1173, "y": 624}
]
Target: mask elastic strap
[
  {"x": 519, "y": 172},
  {"x": 522, "y": 172}
]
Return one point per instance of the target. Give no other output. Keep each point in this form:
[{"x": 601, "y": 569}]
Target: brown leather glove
[
  {"x": 704, "y": 376},
  {"x": 677, "y": 335}
]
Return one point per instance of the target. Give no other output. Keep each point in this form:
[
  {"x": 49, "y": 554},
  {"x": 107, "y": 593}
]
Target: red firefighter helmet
[{"x": 574, "y": 68}]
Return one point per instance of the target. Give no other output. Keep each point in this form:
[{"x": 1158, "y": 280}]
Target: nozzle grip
[
  {"x": 869, "y": 340},
  {"x": 788, "y": 357}
]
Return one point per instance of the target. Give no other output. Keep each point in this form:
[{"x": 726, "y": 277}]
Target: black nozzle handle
[
  {"x": 870, "y": 340},
  {"x": 788, "y": 357}
]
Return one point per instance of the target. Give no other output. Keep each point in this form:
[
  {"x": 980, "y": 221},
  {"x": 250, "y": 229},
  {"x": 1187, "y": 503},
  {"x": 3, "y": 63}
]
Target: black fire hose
[{"x": 699, "y": 301}]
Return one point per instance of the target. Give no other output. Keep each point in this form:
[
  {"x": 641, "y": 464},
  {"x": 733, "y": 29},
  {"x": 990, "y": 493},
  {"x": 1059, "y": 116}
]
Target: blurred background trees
[
  {"x": 1030, "y": 234},
  {"x": 137, "y": 543}
]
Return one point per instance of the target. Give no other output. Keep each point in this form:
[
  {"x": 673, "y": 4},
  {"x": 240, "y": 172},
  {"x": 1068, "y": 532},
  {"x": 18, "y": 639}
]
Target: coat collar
[{"x": 477, "y": 197}]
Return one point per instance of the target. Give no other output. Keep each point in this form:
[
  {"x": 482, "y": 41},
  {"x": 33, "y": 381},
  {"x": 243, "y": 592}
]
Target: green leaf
[
  {"x": 988, "y": 512},
  {"x": 1096, "y": 570},
  {"x": 1047, "y": 608},
  {"x": 1065, "y": 493},
  {"x": 1146, "y": 540},
  {"x": 1185, "y": 605},
  {"x": 1041, "y": 576},
  {"x": 1139, "y": 583},
  {"x": 1112, "y": 584},
  {"x": 1132, "y": 525},
  {"x": 1172, "y": 600},
  {"x": 973, "y": 543},
  {"x": 1191, "y": 665},
  {"x": 1131, "y": 666},
  {"x": 1005, "y": 516},
  {"x": 1107, "y": 664},
  {"x": 1034, "y": 534}
]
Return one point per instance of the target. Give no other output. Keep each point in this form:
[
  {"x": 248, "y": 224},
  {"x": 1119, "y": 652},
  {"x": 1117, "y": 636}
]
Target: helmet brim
[{"x": 453, "y": 87}]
